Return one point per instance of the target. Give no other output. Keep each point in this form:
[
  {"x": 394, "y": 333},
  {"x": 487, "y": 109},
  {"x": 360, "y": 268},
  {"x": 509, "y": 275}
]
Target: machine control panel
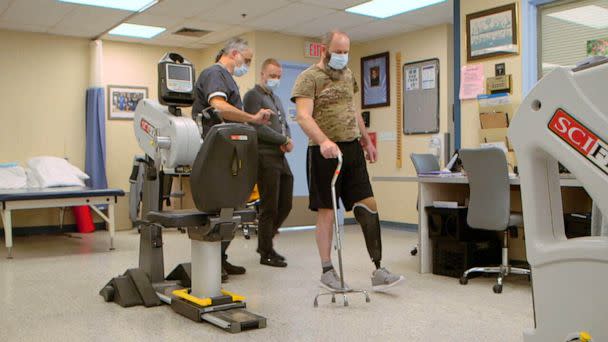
[{"x": 179, "y": 78}]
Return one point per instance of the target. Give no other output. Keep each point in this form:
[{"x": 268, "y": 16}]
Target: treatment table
[{"x": 60, "y": 197}]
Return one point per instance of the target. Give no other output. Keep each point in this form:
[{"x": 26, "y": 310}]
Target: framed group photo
[
  {"x": 375, "y": 81},
  {"x": 122, "y": 101},
  {"x": 492, "y": 32}
]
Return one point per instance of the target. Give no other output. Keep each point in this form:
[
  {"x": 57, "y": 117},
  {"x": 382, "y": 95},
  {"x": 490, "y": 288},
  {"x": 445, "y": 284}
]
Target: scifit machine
[
  {"x": 564, "y": 119},
  {"x": 223, "y": 174}
]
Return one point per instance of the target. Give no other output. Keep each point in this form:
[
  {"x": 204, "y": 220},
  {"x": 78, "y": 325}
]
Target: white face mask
[
  {"x": 338, "y": 61},
  {"x": 273, "y": 83}
]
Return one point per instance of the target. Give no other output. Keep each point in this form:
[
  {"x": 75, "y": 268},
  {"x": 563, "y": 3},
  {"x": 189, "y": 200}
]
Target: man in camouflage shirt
[{"x": 324, "y": 97}]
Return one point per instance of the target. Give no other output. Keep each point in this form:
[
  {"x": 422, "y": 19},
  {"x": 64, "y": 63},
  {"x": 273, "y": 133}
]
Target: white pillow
[
  {"x": 53, "y": 171},
  {"x": 32, "y": 180},
  {"x": 12, "y": 177}
]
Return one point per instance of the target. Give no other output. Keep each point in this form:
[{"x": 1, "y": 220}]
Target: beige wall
[
  {"x": 469, "y": 108},
  {"x": 42, "y": 104},
  {"x": 43, "y": 107},
  {"x": 54, "y": 122},
  {"x": 397, "y": 201}
]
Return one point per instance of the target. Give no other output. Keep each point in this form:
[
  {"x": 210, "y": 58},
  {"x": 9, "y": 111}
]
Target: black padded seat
[{"x": 192, "y": 217}]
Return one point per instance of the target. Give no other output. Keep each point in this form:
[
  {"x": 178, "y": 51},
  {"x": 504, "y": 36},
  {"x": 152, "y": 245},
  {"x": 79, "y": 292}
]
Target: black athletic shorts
[{"x": 352, "y": 185}]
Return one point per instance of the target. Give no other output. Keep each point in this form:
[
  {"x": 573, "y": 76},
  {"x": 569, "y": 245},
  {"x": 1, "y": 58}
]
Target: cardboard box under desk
[{"x": 494, "y": 120}]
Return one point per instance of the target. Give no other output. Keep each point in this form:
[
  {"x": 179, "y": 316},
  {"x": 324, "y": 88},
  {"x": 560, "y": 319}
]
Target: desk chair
[
  {"x": 423, "y": 162},
  {"x": 489, "y": 204}
]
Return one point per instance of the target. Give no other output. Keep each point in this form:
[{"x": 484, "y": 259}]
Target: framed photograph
[
  {"x": 375, "y": 81},
  {"x": 492, "y": 33},
  {"x": 122, "y": 101}
]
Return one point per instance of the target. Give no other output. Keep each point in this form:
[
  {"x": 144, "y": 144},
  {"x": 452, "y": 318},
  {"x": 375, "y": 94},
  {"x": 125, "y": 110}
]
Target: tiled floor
[{"x": 49, "y": 292}]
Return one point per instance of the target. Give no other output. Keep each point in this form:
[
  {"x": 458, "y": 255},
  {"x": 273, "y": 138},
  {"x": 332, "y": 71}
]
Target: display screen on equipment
[{"x": 179, "y": 72}]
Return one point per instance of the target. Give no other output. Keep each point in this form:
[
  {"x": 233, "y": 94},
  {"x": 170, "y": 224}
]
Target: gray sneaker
[
  {"x": 382, "y": 279},
  {"x": 331, "y": 281}
]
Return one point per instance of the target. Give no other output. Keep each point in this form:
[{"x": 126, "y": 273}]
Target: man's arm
[
  {"x": 252, "y": 103},
  {"x": 304, "y": 108},
  {"x": 232, "y": 113}
]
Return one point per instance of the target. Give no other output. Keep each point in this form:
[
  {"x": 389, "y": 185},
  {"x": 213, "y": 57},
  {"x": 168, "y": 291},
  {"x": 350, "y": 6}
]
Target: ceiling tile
[
  {"x": 204, "y": 25},
  {"x": 75, "y": 32},
  {"x": 197, "y": 45},
  {"x": 336, "y": 20},
  {"x": 289, "y": 16},
  {"x": 168, "y": 35},
  {"x": 89, "y": 21},
  {"x": 4, "y": 5},
  {"x": 156, "y": 20},
  {"x": 231, "y": 12},
  {"x": 22, "y": 27},
  {"x": 335, "y": 4},
  {"x": 427, "y": 16},
  {"x": 378, "y": 29},
  {"x": 36, "y": 12},
  {"x": 183, "y": 8},
  {"x": 221, "y": 36},
  {"x": 124, "y": 39}
]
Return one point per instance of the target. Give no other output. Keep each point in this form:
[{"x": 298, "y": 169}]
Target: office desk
[{"x": 452, "y": 188}]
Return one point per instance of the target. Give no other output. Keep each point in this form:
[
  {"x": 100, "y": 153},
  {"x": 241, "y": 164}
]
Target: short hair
[
  {"x": 270, "y": 61},
  {"x": 329, "y": 36},
  {"x": 236, "y": 43}
]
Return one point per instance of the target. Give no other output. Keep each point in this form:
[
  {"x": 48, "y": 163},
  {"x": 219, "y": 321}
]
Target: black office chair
[
  {"x": 423, "y": 162},
  {"x": 490, "y": 205}
]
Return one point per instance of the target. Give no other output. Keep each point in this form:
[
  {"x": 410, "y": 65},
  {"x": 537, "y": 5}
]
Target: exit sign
[{"x": 312, "y": 49}]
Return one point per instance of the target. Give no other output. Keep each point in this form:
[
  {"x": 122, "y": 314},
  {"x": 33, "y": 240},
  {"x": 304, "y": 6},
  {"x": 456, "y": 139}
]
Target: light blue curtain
[{"x": 95, "y": 159}]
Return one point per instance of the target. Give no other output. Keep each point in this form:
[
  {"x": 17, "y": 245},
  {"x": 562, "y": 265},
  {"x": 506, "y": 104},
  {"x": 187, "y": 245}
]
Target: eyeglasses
[{"x": 247, "y": 60}]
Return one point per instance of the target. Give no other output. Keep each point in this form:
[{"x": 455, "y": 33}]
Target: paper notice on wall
[
  {"x": 429, "y": 76},
  {"x": 387, "y": 136},
  {"x": 471, "y": 81},
  {"x": 412, "y": 79}
]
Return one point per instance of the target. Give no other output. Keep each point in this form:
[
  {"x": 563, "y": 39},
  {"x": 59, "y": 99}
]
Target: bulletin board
[{"x": 421, "y": 97}]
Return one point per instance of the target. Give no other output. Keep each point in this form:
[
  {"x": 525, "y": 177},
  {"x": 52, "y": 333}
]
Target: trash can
[{"x": 84, "y": 220}]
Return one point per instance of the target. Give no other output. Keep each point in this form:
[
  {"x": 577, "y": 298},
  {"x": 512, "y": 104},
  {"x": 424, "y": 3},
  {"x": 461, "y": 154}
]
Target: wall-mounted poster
[
  {"x": 412, "y": 79},
  {"x": 492, "y": 32},
  {"x": 375, "y": 80},
  {"x": 122, "y": 101}
]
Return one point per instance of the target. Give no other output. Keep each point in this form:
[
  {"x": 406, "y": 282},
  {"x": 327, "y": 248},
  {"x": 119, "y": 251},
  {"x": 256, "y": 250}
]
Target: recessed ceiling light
[
  {"x": 388, "y": 8},
  {"x": 590, "y": 16},
  {"x": 127, "y": 5},
  {"x": 138, "y": 31}
]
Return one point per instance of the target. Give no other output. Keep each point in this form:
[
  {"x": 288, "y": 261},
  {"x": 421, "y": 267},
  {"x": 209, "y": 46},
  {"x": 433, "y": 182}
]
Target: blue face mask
[
  {"x": 273, "y": 83},
  {"x": 338, "y": 61},
  {"x": 241, "y": 70}
]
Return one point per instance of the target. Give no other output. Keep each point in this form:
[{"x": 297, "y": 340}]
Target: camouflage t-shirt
[{"x": 334, "y": 106}]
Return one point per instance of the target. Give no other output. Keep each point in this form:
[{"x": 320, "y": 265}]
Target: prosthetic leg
[
  {"x": 338, "y": 246},
  {"x": 370, "y": 224}
]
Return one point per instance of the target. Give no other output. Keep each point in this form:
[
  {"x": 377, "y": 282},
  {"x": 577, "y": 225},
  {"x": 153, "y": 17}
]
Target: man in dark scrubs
[{"x": 217, "y": 88}]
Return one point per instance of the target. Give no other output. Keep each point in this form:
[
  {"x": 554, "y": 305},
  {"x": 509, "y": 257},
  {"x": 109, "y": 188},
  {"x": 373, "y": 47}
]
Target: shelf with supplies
[{"x": 496, "y": 112}]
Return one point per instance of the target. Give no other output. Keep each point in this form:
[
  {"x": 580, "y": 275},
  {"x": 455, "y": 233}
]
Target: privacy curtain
[{"x": 95, "y": 159}]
